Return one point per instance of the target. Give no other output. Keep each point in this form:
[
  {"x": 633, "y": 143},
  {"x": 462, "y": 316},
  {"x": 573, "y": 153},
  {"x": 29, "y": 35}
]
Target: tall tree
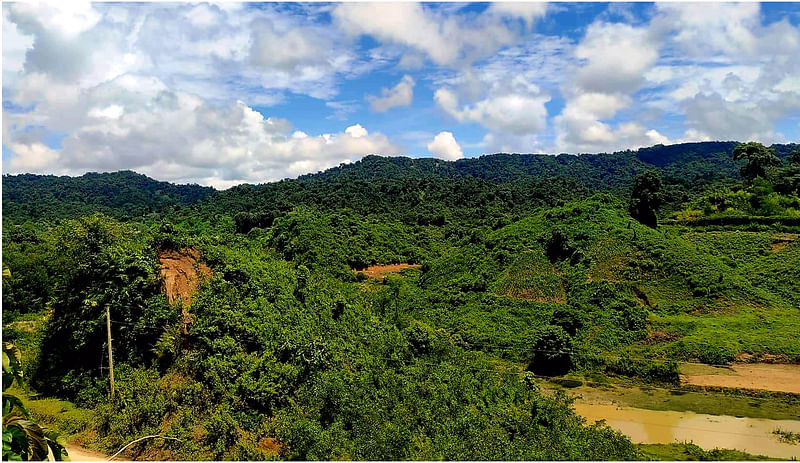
[
  {"x": 646, "y": 198},
  {"x": 794, "y": 157},
  {"x": 759, "y": 159}
]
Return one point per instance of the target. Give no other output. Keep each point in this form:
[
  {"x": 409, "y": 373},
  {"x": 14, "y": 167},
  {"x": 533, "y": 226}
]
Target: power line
[{"x": 249, "y": 337}]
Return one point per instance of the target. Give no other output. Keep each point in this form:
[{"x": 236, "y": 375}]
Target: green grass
[
  {"x": 745, "y": 328},
  {"x": 690, "y": 452},
  {"x": 787, "y": 436},
  {"x": 59, "y": 415},
  {"x": 630, "y": 394},
  {"x": 534, "y": 278}
]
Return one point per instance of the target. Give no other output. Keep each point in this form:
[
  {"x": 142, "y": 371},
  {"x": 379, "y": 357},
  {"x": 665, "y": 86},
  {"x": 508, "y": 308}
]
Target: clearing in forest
[
  {"x": 181, "y": 272},
  {"x": 379, "y": 271},
  {"x": 761, "y": 376},
  {"x": 534, "y": 278}
]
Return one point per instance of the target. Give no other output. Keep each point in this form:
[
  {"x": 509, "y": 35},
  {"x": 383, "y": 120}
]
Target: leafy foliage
[
  {"x": 646, "y": 198},
  {"x": 529, "y": 265},
  {"x": 23, "y": 438}
]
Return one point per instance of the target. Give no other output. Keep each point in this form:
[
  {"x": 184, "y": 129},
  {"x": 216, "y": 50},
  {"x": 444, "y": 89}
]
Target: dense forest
[{"x": 513, "y": 270}]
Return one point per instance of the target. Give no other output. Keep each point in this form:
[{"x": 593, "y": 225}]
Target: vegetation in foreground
[
  {"x": 529, "y": 267},
  {"x": 689, "y": 452}
]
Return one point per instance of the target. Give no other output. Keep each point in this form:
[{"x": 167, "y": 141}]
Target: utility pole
[{"x": 110, "y": 356}]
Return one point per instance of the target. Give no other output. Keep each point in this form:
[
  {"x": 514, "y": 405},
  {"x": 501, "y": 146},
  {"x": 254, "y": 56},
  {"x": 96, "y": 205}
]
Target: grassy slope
[{"x": 709, "y": 295}]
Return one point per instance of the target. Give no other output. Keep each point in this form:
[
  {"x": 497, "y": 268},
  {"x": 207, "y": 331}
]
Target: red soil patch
[
  {"x": 272, "y": 446},
  {"x": 181, "y": 272},
  {"x": 379, "y": 271},
  {"x": 759, "y": 376}
]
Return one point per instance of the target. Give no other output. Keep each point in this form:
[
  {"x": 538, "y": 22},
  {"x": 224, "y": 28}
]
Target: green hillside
[{"x": 526, "y": 269}]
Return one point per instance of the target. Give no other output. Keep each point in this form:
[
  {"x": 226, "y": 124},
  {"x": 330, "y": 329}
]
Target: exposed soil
[
  {"x": 81, "y": 454},
  {"x": 272, "y": 446},
  {"x": 767, "y": 377},
  {"x": 182, "y": 272},
  {"x": 780, "y": 241},
  {"x": 657, "y": 336},
  {"x": 379, "y": 271}
]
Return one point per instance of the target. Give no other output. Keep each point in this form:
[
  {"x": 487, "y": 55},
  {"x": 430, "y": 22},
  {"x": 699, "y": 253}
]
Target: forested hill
[
  {"x": 123, "y": 194},
  {"x": 378, "y": 183},
  {"x": 684, "y": 163}
]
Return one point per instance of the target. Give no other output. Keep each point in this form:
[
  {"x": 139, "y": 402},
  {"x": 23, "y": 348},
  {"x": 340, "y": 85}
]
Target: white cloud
[
  {"x": 342, "y": 109},
  {"x": 356, "y": 131},
  {"x": 729, "y": 75},
  {"x": 527, "y": 11},
  {"x": 617, "y": 55},
  {"x": 32, "y": 157},
  {"x": 15, "y": 46},
  {"x": 447, "y": 39},
  {"x": 180, "y": 137},
  {"x": 156, "y": 88},
  {"x": 288, "y": 49},
  {"x": 400, "y": 95},
  {"x": 509, "y": 143},
  {"x": 707, "y": 29},
  {"x": 516, "y": 107},
  {"x": 444, "y": 146}
]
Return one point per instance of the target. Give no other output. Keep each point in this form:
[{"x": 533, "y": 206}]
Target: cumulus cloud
[
  {"x": 527, "y": 11},
  {"x": 707, "y": 29},
  {"x": 178, "y": 136},
  {"x": 287, "y": 49},
  {"x": 737, "y": 76},
  {"x": 445, "y": 39},
  {"x": 400, "y": 95},
  {"x": 516, "y": 107},
  {"x": 615, "y": 58},
  {"x": 444, "y": 146},
  {"x": 158, "y": 88},
  {"x": 509, "y": 143}
]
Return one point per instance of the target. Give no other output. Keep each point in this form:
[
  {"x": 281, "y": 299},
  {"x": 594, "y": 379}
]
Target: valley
[{"x": 395, "y": 308}]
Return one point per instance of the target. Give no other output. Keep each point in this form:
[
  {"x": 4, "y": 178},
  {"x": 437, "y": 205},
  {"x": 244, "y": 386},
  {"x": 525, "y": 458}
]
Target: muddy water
[{"x": 751, "y": 435}]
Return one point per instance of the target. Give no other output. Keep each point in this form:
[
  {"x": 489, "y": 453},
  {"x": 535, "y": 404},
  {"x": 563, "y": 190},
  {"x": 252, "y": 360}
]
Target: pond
[{"x": 751, "y": 435}]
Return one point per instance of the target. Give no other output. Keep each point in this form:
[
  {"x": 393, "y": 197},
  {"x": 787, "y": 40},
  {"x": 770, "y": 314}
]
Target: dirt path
[
  {"x": 81, "y": 454},
  {"x": 761, "y": 376}
]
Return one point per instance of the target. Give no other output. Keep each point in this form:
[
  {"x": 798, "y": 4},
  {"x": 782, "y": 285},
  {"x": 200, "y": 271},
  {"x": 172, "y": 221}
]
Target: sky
[{"x": 230, "y": 93}]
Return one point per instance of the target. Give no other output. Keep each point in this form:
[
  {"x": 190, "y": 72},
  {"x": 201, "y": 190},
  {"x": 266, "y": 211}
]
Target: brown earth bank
[
  {"x": 760, "y": 376},
  {"x": 182, "y": 272},
  {"x": 379, "y": 271}
]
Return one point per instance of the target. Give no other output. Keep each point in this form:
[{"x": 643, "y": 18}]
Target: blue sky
[{"x": 221, "y": 94}]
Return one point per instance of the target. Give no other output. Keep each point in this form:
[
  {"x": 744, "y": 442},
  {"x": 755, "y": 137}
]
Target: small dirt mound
[
  {"x": 182, "y": 272},
  {"x": 379, "y": 271}
]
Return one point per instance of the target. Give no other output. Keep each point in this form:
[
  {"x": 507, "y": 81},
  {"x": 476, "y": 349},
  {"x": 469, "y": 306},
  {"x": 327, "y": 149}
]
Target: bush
[
  {"x": 551, "y": 352},
  {"x": 662, "y": 371}
]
